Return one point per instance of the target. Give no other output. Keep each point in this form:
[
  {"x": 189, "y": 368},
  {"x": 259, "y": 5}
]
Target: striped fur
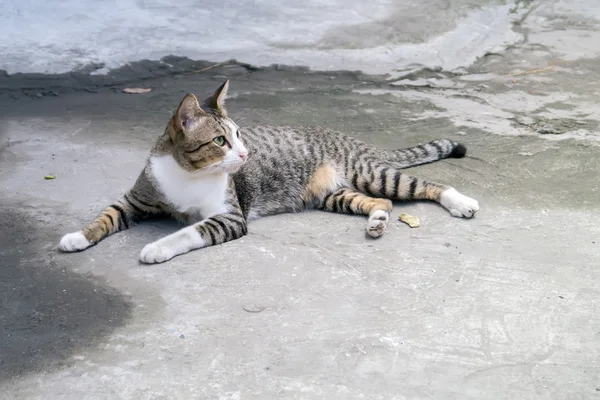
[{"x": 198, "y": 173}]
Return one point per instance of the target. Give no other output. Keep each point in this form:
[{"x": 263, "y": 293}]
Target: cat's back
[
  {"x": 275, "y": 136},
  {"x": 271, "y": 140}
]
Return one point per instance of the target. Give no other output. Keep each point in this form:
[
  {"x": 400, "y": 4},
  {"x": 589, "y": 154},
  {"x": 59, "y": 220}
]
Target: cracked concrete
[{"x": 504, "y": 306}]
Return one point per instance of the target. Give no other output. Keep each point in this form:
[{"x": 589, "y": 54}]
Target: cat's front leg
[
  {"x": 209, "y": 232},
  {"x": 117, "y": 217}
]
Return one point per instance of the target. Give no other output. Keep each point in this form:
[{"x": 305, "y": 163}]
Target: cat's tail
[{"x": 425, "y": 153}]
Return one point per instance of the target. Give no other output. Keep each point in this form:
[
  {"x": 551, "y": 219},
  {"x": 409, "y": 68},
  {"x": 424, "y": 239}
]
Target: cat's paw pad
[
  {"x": 377, "y": 223},
  {"x": 156, "y": 253},
  {"x": 74, "y": 242},
  {"x": 458, "y": 204}
]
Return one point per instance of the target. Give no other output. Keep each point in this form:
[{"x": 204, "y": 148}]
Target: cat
[{"x": 210, "y": 175}]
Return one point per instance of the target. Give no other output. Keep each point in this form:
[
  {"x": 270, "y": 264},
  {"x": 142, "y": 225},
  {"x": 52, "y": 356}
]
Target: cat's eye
[{"x": 219, "y": 140}]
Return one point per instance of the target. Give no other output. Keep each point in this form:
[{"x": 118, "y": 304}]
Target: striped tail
[{"x": 425, "y": 153}]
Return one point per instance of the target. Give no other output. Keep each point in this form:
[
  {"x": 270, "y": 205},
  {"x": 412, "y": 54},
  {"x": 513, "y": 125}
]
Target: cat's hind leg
[
  {"x": 389, "y": 182},
  {"x": 117, "y": 217},
  {"x": 349, "y": 201}
]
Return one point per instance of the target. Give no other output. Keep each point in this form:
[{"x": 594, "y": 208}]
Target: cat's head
[{"x": 205, "y": 140}]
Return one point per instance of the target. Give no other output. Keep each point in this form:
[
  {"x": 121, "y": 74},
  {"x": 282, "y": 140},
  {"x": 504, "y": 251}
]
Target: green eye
[{"x": 219, "y": 140}]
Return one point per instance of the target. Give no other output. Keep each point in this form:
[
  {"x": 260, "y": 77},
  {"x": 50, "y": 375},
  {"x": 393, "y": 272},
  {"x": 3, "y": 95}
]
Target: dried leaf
[
  {"x": 49, "y": 177},
  {"x": 410, "y": 220},
  {"x": 137, "y": 90}
]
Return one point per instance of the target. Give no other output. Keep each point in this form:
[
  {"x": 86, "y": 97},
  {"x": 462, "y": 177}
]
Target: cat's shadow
[{"x": 163, "y": 223}]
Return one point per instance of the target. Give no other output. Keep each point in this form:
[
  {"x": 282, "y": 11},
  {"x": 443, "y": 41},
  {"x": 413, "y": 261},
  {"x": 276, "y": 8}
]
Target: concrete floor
[
  {"x": 504, "y": 306},
  {"x": 378, "y": 36}
]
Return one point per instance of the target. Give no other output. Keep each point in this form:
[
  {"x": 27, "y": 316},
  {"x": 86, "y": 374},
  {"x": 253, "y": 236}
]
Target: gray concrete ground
[
  {"x": 373, "y": 36},
  {"x": 504, "y": 306}
]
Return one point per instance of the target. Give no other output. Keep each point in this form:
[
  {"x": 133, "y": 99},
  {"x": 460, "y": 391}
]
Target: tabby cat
[{"x": 208, "y": 174}]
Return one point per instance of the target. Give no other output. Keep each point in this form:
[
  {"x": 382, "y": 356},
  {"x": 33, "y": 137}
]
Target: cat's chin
[
  {"x": 232, "y": 170},
  {"x": 221, "y": 169}
]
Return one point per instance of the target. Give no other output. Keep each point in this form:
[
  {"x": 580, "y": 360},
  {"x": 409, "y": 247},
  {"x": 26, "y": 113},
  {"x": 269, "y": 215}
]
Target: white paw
[
  {"x": 73, "y": 242},
  {"x": 377, "y": 223},
  {"x": 458, "y": 204},
  {"x": 156, "y": 253}
]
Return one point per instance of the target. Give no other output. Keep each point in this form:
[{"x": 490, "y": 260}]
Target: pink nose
[{"x": 243, "y": 156}]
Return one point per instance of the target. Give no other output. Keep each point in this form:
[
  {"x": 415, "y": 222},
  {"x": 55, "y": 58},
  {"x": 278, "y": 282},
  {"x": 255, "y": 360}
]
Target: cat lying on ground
[{"x": 207, "y": 173}]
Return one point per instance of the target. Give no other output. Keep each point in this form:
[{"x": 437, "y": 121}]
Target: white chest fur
[{"x": 187, "y": 192}]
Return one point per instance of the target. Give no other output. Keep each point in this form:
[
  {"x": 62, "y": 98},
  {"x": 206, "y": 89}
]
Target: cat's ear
[
  {"x": 187, "y": 113},
  {"x": 217, "y": 100}
]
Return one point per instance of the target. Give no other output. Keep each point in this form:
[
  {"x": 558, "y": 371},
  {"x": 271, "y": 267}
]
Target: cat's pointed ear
[
  {"x": 217, "y": 100},
  {"x": 187, "y": 113}
]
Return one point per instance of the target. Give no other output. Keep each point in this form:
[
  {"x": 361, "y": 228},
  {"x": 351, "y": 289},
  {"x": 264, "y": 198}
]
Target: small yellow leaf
[
  {"x": 410, "y": 220},
  {"x": 48, "y": 177},
  {"x": 137, "y": 90}
]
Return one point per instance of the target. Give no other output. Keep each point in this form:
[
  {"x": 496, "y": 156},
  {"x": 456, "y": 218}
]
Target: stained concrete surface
[
  {"x": 375, "y": 36},
  {"x": 504, "y": 306},
  {"x": 47, "y": 311}
]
